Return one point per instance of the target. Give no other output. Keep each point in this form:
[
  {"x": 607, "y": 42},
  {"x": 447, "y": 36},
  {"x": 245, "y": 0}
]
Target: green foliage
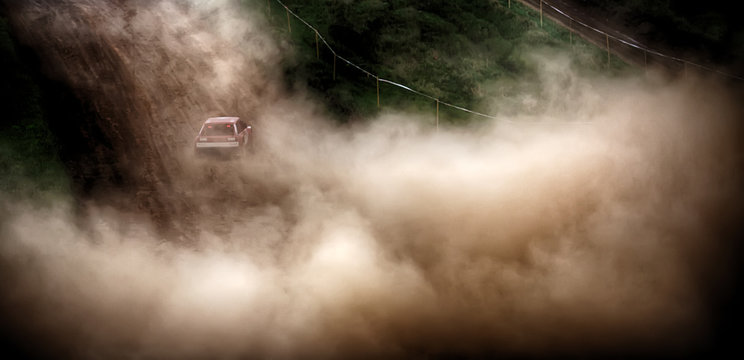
[
  {"x": 28, "y": 153},
  {"x": 443, "y": 48},
  {"x": 364, "y": 14},
  {"x": 711, "y": 29}
]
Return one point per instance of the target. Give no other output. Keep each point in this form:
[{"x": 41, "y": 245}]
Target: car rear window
[{"x": 218, "y": 130}]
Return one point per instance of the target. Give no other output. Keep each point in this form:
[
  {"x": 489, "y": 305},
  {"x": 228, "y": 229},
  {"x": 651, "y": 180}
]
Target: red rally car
[{"x": 223, "y": 134}]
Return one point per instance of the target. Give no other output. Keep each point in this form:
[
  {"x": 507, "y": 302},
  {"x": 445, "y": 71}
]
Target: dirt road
[
  {"x": 629, "y": 43},
  {"x": 601, "y": 222},
  {"x": 149, "y": 82}
]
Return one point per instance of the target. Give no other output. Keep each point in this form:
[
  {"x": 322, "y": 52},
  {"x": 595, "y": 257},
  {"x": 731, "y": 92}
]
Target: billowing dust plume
[{"x": 597, "y": 222}]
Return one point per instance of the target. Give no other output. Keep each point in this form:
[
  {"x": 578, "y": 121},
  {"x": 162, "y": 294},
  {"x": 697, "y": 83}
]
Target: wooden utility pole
[
  {"x": 317, "y": 47},
  {"x": 378, "y": 91},
  {"x": 541, "y": 21},
  {"x": 570, "y": 32},
  {"x": 608, "y": 50},
  {"x": 289, "y": 24}
]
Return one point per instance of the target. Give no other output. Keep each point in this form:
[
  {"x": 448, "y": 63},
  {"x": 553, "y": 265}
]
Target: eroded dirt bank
[
  {"x": 601, "y": 219},
  {"x": 150, "y": 72}
]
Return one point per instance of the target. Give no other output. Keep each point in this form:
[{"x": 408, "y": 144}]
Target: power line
[
  {"x": 379, "y": 79},
  {"x": 636, "y": 44}
]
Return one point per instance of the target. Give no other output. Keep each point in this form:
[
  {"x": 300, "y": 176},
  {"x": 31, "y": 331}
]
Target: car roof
[{"x": 222, "y": 119}]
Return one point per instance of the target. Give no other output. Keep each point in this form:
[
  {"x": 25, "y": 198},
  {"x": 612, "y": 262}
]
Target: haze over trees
[{"x": 455, "y": 51}]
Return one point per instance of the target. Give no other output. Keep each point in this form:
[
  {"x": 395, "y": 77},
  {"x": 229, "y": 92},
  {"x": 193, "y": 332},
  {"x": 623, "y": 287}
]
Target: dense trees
[
  {"x": 442, "y": 48},
  {"x": 708, "y": 31},
  {"x": 451, "y": 49},
  {"x": 28, "y": 149}
]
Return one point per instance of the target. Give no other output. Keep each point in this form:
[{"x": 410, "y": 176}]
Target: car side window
[{"x": 241, "y": 126}]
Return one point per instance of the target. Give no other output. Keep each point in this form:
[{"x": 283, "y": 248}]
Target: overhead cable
[
  {"x": 636, "y": 44},
  {"x": 380, "y": 79}
]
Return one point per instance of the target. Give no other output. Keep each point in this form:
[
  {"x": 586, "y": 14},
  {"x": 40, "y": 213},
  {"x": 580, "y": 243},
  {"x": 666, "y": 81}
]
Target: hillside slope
[{"x": 449, "y": 50}]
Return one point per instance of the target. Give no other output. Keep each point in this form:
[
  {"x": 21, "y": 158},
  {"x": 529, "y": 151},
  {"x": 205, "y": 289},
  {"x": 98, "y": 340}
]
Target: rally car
[{"x": 225, "y": 135}]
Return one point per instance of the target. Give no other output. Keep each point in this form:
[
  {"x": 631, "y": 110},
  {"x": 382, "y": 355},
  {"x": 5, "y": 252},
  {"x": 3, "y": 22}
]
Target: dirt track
[
  {"x": 149, "y": 86},
  {"x": 150, "y": 82},
  {"x": 533, "y": 236},
  {"x": 644, "y": 52}
]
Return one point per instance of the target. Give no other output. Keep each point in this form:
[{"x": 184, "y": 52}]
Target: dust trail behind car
[{"x": 152, "y": 72}]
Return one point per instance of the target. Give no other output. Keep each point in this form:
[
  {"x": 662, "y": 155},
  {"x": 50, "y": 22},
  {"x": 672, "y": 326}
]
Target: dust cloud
[{"x": 598, "y": 222}]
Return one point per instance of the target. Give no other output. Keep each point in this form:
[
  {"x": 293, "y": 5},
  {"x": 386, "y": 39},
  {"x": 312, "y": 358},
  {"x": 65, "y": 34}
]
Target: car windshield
[{"x": 218, "y": 130}]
